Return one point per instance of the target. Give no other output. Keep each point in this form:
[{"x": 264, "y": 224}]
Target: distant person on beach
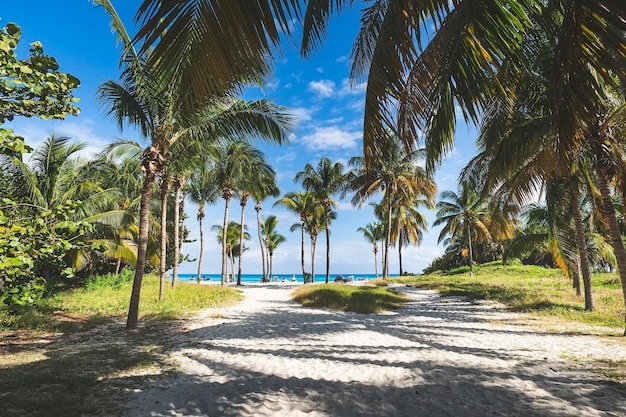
[{"x": 293, "y": 277}]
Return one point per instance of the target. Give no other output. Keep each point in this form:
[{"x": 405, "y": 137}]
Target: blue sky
[{"x": 316, "y": 90}]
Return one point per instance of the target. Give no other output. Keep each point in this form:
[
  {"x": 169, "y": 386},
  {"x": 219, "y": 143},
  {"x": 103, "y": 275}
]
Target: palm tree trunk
[
  {"x": 118, "y": 265},
  {"x": 616, "y": 237},
  {"x": 376, "y": 261},
  {"x": 270, "y": 264},
  {"x": 471, "y": 255},
  {"x": 313, "y": 242},
  {"x": 387, "y": 243},
  {"x": 257, "y": 208},
  {"x": 584, "y": 257},
  {"x": 400, "y": 251},
  {"x": 224, "y": 231},
  {"x": 200, "y": 218},
  {"x": 232, "y": 265},
  {"x": 181, "y": 235},
  {"x": 327, "y": 252},
  {"x": 165, "y": 189},
  {"x": 302, "y": 250},
  {"x": 244, "y": 202},
  {"x": 144, "y": 217},
  {"x": 177, "y": 187}
]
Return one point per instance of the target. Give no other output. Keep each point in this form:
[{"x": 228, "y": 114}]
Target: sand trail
[{"x": 439, "y": 356}]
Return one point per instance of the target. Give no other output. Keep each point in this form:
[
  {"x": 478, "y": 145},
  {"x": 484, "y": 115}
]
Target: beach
[{"x": 438, "y": 356}]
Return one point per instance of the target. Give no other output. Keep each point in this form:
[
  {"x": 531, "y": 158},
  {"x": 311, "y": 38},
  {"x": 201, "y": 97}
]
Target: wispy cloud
[
  {"x": 332, "y": 137},
  {"x": 323, "y": 88}
]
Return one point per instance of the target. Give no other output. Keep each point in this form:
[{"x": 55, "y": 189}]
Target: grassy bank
[
  {"x": 72, "y": 357},
  {"x": 531, "y": 289},
  {"x": 360, "y": 299},
  {"x": 106, "y": 298}
]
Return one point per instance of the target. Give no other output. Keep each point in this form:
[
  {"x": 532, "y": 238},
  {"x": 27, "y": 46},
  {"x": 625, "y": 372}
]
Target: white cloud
[
  {"x": 302, "y": 114},
  {"x": 319, "y": 69},
  {"x": 332, "y": 137},
  {"x": 323, "y": 88},
  {"x": 348, "y": 89}
]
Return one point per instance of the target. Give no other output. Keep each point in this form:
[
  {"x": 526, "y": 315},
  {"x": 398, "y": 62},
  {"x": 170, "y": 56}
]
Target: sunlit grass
[
  {"x": 356, "y": 298},
  {"x": 98, "y": 303},
  {"x": 532, "y": 289}
]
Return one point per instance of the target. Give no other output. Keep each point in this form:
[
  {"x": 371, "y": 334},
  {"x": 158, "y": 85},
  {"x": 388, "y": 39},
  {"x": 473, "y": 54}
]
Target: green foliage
[
  {"x": 109, "y": 280},
  {"x": 533, "y": 289},
  {"x": 33, "y": 86},
  {"x": 360, "y": 299},
  {"x": 34, "y": 243},
  {"x": 30, "y": 87}
]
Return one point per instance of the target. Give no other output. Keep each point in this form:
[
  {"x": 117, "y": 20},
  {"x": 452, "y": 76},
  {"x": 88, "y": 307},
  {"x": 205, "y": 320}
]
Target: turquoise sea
[{"x": 279, "y": 277}]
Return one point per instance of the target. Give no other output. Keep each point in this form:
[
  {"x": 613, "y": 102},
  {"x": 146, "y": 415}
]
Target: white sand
[{"x": 268, "y": 356}]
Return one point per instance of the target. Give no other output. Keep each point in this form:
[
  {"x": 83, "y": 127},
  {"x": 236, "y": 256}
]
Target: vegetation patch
[
  {"x": 359, "y": 299},
  {"x": 533, "y": 289}
]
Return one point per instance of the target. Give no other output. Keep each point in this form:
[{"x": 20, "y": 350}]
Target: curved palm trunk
[
  {"x": 616, "y": 237},
  {"x": 165, "y": 189},
  {"x": 471, "y": 255},
  {"x": 200, "y": 218},
  {"x": 144, "y": 217},
  {"x": 244, "y": 202},
  {"x": 257, "y": 208},
  {"x": 584, "y": 257},
  {"x": 177, "y": 186}
]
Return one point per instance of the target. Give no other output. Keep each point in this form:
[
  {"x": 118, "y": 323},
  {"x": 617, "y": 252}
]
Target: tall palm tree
[
  {"x": 461, "y": 214},
  {"x": 264, "y": 190},
  {"x": 373, "y": 232},
  {"x": 271, "y": 238},
  {"x": 408, "y": 224},
  {"x": 393, "y": 173},
  {"x": 232, "y": 245},
  {"x": 202, "y": 190},
  {"x": 324, "y": 181},
  {"x": 165, "y": 111},
  {"x": 303, "y": 204},
  {"x": 231, "y": 171},
  {"x": 259, "y": 180}
]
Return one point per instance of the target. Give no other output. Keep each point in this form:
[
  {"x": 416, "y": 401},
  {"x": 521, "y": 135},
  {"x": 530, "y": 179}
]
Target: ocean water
[{"x": 279, "y": 277}]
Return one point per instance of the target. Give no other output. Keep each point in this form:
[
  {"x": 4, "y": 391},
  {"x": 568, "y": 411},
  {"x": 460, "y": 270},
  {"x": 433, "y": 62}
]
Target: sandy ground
[{"x": 268, "y": 356}]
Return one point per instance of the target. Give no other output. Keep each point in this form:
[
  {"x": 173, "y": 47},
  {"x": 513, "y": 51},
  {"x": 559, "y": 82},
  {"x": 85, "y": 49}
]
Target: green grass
[
  {"x": 532, "y": 289},
  {"x": 102, "y": 300},
  {"x": 360, "y": 299},
  {"x": 47, "y": 373}
]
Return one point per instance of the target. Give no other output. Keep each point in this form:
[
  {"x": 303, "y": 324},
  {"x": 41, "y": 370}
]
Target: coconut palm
[
  {"x": 231, "y": 170},
  {"x": 271, "y": 238},
  {"x": 373, "y": 232},
  {"x": 303, "y": 204},
  {"x": 202, "y": 190},
  {"x": 461, "y": 213},
  {"x": 324, "y": 181},
  {"x": 159, "y": 106},
  {"x": 259, "y": 180},
  {"x": 264, "y": 190},
  {"x": 393, "y": 173},
  {"x": 232, "y": 245},
  {"x": 408, "y": 224}
]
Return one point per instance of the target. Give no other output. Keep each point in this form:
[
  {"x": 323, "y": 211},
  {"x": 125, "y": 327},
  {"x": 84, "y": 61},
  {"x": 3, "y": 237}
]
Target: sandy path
[{"x": 437, "y": 357}]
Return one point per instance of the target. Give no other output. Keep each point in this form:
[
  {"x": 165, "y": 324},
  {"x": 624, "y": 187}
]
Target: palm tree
[
  {"x": 301, "y": 203},
  {"x": 373, "y": 232},
  {"x": 460, "y": 214},
  {"x": 264, "y": 190},
  {"x": 271, "y": 238},
  {"x": 396, "y": 175},
  {"x": 259, "y": 180},
  {"x": 408, "y": 224},
  {"x": 231, "y": 171},
  {"x": 232, "y": 245},
  {"x": 324, "y": 181},
  {"x": 202, "y": 190}
]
